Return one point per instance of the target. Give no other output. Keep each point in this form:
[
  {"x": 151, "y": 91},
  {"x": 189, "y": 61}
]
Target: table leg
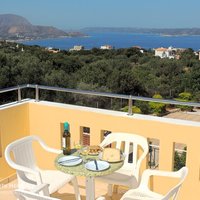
[{"x": 90, "y": 188}]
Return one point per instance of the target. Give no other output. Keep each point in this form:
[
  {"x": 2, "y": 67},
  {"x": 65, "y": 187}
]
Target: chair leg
[
  {"x": 76, "y": 189},
  {"x": 109, "y": 190}
]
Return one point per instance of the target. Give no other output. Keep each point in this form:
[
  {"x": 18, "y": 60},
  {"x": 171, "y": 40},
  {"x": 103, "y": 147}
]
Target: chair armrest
[
  {"x": 22, "y": 170},
  {"x": 47, "y": 148},
  {"x": 149, "y": 172},
  {"x": 103, "y": 143},
  {"x": 52, "y": 150},
  {"x": 43, "y": 187},
  {"x": 101, "y": 198},
  {"x": 24, "y": 194}
]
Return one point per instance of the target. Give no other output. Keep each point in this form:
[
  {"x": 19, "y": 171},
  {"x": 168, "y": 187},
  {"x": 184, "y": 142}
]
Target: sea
[{"x": 120, "y": 40}]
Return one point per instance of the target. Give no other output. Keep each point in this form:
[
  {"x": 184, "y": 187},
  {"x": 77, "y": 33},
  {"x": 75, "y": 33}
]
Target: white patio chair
[
  {"x": 144, "y": 193},
  {"x": 29, "y": 174},
  {"x": 34, "y": 194},
  {"x": 128, "y": 174}
]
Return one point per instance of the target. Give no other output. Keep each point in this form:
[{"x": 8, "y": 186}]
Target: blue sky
[{"x": 75, "y": 14}]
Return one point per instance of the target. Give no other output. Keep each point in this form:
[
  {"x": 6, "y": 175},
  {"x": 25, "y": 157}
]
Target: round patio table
[{"x": 80, "y": 170}]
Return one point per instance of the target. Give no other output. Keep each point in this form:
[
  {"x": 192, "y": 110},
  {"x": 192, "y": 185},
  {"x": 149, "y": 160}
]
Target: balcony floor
[{"x": 6, "y": 191}]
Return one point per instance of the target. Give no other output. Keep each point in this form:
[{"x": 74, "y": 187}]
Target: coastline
[
  {"x": 47, "y": 38},
  {"x": 179, "y": 35},
  {"x": 118, "y": 40}
]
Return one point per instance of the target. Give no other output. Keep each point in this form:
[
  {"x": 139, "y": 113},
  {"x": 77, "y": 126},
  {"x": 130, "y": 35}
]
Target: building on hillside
[
  {"x": 52, "y": 50},
  {"x": 169, "y": 52},
  {"x": 108, "y": 47},
  {"x": 77, "y": 48},
  {"x": 166, "y": 52}
]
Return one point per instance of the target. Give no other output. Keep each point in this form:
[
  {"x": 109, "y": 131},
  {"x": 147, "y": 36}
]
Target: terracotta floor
[
  {"x": 191, "y": 116},
  {"x": 65, "y": 193}
]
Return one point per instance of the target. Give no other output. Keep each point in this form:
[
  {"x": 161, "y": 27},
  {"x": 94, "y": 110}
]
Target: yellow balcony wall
[
  {"x": 45, "y": 118},
  {"x": 14, "y": 124}
]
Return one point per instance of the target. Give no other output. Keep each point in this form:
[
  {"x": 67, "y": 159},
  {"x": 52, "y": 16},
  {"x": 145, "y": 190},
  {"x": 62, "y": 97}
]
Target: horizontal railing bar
[
  {"x": 86, "y": 92},
  {"x": 155, "y": 146},
  {"x": 121, "y": 96},
  {"x": 181, "y": 150},
  {"x": 102, "y": 94},
  {"x": 12, "y": 88},
  {"x": 166, "y": 101}
]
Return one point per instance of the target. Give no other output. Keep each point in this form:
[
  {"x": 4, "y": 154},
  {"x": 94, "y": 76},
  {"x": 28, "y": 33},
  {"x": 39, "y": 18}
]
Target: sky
[{"x": 76, "y": 14}]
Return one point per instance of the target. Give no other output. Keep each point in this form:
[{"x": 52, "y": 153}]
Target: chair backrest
[
  {"x": 24, "y": 159},
  {"x": 182, "y": 173},
  {"x": 25, "y": 195},
  {"x": 132, "y": 142},
  {"x": 23, "y": 152}
]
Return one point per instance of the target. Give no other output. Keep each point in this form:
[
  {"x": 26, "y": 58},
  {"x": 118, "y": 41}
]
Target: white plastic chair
[
  {"x": 128, "y": 174},
  {"x": 144, "y": 193},
  {"x": 28, "y": 173},
  {"x": 34, "y": 194}
]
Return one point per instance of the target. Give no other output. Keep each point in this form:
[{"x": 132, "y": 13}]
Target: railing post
[
  {"x": 19, "y": 95},
  {"x": 130, "y": 105},
  {"x": 36, "y": 93},
  {"x": 150, "y": 154}
]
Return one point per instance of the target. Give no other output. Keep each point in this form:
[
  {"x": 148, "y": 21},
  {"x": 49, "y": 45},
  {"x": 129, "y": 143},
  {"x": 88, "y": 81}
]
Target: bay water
[{"x": 120, "y": 40}]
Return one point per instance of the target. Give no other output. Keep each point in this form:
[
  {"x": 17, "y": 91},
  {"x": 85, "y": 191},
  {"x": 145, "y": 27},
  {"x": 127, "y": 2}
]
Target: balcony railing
[
  {"x": 130, "y": 98},
  {"x": 46, "y": 121}
]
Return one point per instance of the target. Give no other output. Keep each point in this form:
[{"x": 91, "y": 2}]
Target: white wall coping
[
  {"x": 122, "y": 114},
  {"x": 105, "y": 112}
]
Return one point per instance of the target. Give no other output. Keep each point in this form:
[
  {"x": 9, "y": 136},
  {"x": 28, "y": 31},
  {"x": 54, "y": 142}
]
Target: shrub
[
  {"x": 185, "y": 97},
  {"x": 135, "y": 109},
  {"x": 157, "y": 108},
  {"x": 144, "y": 106}
]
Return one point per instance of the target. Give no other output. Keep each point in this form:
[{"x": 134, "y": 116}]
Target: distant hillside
[
  {"x": 161, "y": 31},
  {"x": 15, "y": 27}
]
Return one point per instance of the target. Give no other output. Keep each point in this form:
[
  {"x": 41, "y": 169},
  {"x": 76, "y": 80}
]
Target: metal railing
[{"x": 130, "y": 98}]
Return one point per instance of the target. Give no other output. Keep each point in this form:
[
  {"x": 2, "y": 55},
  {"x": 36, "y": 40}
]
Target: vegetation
[
  {"x": 185, "y": 96},
  {"x": 135, "y": 109},
  {"x": 179, "y": 160},
  {"x": 123, "y": 71},
  {"x": 157, "y": 108}
]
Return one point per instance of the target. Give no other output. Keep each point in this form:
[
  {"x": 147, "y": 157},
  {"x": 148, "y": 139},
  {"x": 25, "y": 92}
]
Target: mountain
[
  {"x": 14, "y": 27},
  {"x": 161, "y": 31}
]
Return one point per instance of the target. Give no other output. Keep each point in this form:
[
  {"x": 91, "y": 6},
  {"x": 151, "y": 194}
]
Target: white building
[
  {"x": 77, "y": 48},
  {"x": 52, "y": 50},
  {"x": 106, "y": 47},
  {"x": 166, "y": 52}
]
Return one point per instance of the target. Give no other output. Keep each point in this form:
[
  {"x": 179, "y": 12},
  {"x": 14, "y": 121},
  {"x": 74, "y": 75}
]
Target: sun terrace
[{"x": 32, "y": 116}]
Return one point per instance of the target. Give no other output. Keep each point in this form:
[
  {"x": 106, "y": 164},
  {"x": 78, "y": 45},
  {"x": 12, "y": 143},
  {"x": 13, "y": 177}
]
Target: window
[
  {"x": 180, "y": 153},
  {"x": 153, "y": 161},
  {"x": 85, "y": 135}
]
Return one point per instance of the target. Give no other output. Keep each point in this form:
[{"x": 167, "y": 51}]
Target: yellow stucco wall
[
  {"x": 14, "y": 124},
  {"x": 45, "y": 120}
]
